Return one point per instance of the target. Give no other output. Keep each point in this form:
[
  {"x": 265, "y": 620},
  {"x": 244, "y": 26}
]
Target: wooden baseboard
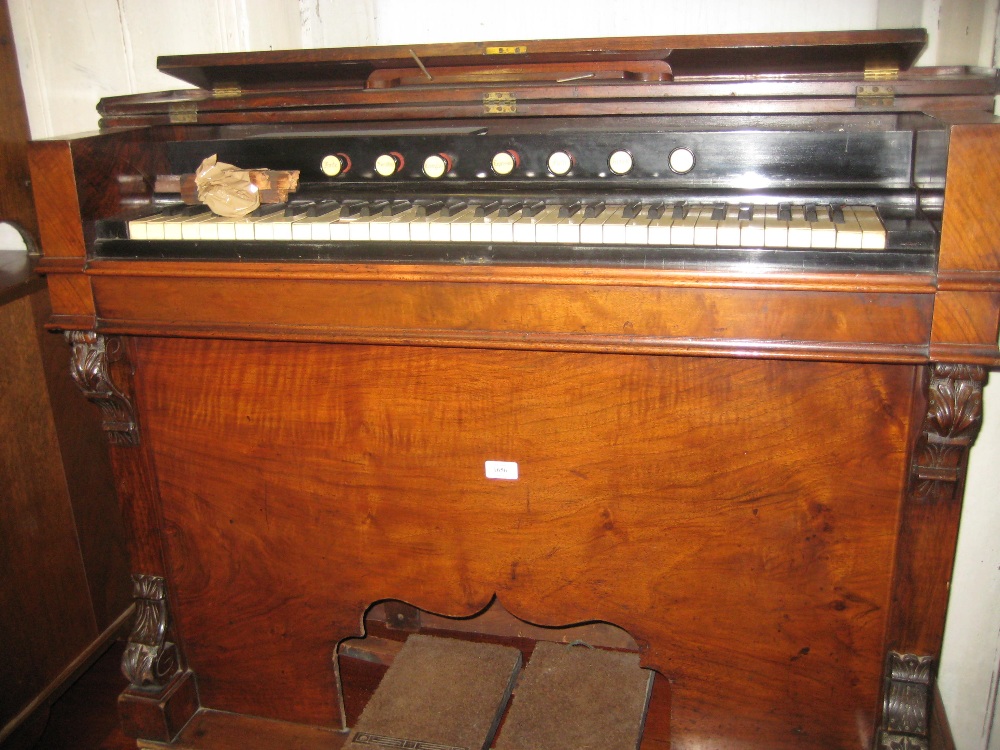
[
  {"x": 215, "y": 730},
  {"x": 65, "y": 678}
]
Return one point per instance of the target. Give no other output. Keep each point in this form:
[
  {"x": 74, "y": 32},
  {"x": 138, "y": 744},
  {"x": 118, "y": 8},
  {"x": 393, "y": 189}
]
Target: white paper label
[{"x": 501, "y": 470}]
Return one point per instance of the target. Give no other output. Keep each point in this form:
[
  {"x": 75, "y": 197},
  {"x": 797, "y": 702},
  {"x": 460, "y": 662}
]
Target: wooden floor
[{"x": 85, "y": 717}]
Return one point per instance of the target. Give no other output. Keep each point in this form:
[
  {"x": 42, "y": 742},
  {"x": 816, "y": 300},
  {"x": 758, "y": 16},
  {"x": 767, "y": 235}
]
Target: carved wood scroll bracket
[
  {"x": 89, "y": 366},
  {"x": 954, "y": 415},
  {"x": 150, "y": 660},
  {"x": 906, "y": 712}
]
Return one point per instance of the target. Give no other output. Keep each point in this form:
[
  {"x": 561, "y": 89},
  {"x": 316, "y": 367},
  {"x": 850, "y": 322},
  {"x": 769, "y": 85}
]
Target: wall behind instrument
[{"x": 75, "y": 51}]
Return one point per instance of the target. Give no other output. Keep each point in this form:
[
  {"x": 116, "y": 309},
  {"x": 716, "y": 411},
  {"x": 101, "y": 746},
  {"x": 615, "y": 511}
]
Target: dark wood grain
[
  {"x": 49, "y": 623},
  {"x": 599, "y": 528}
]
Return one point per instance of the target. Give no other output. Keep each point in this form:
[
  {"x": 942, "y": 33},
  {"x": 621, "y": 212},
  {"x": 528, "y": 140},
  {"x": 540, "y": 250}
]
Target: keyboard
[{"x": 658, "y": 223}]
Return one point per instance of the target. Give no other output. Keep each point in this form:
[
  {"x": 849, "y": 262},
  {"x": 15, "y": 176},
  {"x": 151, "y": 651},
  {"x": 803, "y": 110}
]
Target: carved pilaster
[
  {"x": 150, "y": 660},
  {"x": 954, "y": 415},
  {"x": 92, "y": 354},
  {"x": 906, "y": 710}
]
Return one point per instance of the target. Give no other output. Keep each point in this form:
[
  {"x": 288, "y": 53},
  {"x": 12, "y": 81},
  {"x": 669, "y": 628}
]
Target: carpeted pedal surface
[
  {"x": 577, "y": 698},
  {"x": 439, "y": 694}
]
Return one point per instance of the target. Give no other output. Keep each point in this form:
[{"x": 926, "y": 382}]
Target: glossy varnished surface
[{"x": 754, "y": 564}]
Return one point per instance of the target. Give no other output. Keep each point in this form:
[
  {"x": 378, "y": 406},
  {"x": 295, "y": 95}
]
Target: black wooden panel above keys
[{"x": 758, "y": 159}]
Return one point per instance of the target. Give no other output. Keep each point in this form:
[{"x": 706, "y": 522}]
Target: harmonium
[{"x": 593, "y": 393}]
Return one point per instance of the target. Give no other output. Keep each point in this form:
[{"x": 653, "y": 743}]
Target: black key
[
  {"x": 509, "y": 209},
  {"x": 784, "y": 212},
  {"x": 429, "y": 208},
  {"x": 719, "y": 212},
  {"x": 398, "y": 207},
  {"x": 267, "y": 210},
  {"x": 485, "y": 209},
  {"x": 374, "y": 208},
  {"x": 298, "y": 208},
  {"x": 454, "y": 207},
  {"x": 837, "y": 214},
  {"x": 195, "y": 210},
  {"x": 746, "y": 212},
  {"x": 810, "y": 213},
  {"x": 533, "y": 209},
  {"x": 594, "y": 210},
  {"x": 354, "y": 208},
  {"x": 569, "y": 210},
  {"x": 632, "y": 210},
  {"x": 322, "y": 207},
  {"x": 656, "y": 211},
  {"x": 680, "y": 211}
]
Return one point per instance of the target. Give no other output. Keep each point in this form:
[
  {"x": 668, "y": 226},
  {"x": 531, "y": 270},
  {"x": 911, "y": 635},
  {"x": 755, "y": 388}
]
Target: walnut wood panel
[
  {"x": 737, "y": 517},
  {"x": 53, "y": 184},
  {"x": 966, "y": 326},
  {"x": 621, "y": 317},
  {"x": 72, "y": 298},
  {"x": 48, "y": 622},
  {"x": 971, "y": 221}
]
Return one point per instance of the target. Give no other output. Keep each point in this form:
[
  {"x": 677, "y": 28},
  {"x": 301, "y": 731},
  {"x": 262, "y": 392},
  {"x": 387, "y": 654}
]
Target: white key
[
  {"x": 173, "y": 226},
  {"x": 460, "y": 226},
  {"x": 502, "y": 228},
  {"x": 637, "y": 229},
  {"x": 138, "y": 228},
  {"x": 823, "y": 230},
  {"x": 281, "y": 227},
  {"x": 775, "y": 229},
  {"x": 480, "y": 229},
  {"x": 340, "y": 230},
  {"x": 872, "y": 230},
  {"x": 399, "y": 227},
  {"x": 849, "y": 233},
  {"x": 568, "y": 230},
  {"x": 308, "y": 227},
  {"x": 799, "y": 230},
  {"x": 728, "y": 233},
  {"x": 380, "y": 227},
  {"x": 613, "y": 228},
  {"x": 752, "y": 230},
  {"x": 154, "y": 227},
  {"x": 420, "y": 227},
  {"x": 591, "y": 229},
  {"x": 706, "y": 228},
  {"x": 217, "y": 228},
  {"x": 659, "y": 229},
  {"x": 546, "y": 225},
  {"x": 682, "y": 230}
]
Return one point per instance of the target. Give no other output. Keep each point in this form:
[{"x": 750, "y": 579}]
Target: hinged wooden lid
[{"x": 696, "y": 55}]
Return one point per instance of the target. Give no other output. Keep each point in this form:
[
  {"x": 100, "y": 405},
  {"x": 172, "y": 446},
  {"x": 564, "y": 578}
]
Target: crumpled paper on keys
[{"x": 225, "y": 189}]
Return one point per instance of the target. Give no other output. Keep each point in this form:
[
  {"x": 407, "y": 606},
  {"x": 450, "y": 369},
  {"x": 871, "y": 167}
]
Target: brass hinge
[
  {"x": 518, "y": 50},
  {"x": 227, "y": 91},
  {"x": 183, "y": 113},
  {"x": 870, "y": 95},
  {"x": 499, "y": 103},
  {"x": 881, "y": 70}
]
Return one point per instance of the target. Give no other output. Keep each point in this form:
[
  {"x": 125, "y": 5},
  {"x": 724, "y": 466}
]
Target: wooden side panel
[
  {"x": 970, "y": 237},
  {"x": 966, "y": 326},
  {"x": 738, "y": 517},
  {"x": 53, "y": 183},
  {"x": 46, "y": 624}
]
